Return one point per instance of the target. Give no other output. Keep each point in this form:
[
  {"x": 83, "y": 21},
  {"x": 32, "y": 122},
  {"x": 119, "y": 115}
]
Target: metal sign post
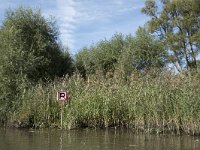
[{"x": 63, "y": 97}]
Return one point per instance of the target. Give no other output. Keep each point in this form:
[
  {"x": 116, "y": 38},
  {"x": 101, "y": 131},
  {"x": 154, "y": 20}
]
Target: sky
[{"x": 84, "y": 22}]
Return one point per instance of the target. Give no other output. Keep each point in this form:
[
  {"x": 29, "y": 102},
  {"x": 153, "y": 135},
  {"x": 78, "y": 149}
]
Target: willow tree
[
  {"x": 102, "y": 57},
  {"x": 85, "y": 62},
  {"x": 148, "y": 52},
  {"x": 30, "y": 46},
  {"x": 124, "y": 54},
  {"x": 30, "y": 52},
  {"x": 177, "y": 23}
]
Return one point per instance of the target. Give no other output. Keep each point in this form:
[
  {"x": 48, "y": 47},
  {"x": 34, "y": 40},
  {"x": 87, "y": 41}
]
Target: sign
[{"x": 62, "y": 96}]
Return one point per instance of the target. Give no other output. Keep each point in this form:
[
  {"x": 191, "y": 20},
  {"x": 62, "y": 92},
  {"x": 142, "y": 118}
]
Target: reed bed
[{"x": 154, "y": 105}]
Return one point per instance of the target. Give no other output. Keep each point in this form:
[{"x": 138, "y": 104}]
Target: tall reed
[{"x": 156, "y": 105}]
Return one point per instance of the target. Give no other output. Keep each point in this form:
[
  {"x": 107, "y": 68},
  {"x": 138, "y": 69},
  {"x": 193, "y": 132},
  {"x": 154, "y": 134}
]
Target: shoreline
[{"x": 138, "y": 130}]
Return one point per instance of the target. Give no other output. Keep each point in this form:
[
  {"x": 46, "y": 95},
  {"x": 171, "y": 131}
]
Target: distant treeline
[{"x": 146, "y": 81}]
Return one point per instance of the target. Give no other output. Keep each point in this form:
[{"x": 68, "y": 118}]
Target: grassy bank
[{"x": 161, "y": 104}]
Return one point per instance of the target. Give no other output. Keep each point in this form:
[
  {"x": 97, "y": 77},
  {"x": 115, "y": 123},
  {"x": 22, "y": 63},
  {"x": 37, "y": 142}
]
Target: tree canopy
[
  {"x": 125, "y": 53},
  {"x": 30, "y": 52},
  {"x": 177, "y": 23},
  {"x": 30, "y": 46}
]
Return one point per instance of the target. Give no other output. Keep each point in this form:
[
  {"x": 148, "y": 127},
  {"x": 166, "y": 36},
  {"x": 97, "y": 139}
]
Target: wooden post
[
  {"x": 61, "y": 115},
  {"x": 63, "y": 97}
]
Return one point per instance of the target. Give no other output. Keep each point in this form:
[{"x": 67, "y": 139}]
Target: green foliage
[
  {"x": 38, "y": 108},
  {"x": 111, "y": 92},
  {"x": 125, "y": 53},
  {"x": 30, "y": 52},
  {"x": 85, "y": 62},
  {"x": 103, "y": 57},
  {"x": 30, "y": 46},
  {"x": 148, "y": 52},
  {"x": 107, "y": 53},
  {"x": 177, "y": 24},
  {"x": 164, "y": 104}
]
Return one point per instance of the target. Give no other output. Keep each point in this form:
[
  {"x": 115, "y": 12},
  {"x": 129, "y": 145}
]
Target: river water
[{"x": 90, "y": 139}]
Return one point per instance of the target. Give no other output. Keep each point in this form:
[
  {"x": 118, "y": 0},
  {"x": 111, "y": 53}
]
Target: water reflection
[{"x": 87, "y": 139}]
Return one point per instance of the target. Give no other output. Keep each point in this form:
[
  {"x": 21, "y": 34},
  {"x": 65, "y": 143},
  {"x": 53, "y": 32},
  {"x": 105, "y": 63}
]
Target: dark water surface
[{"x": 87, "y": 139}]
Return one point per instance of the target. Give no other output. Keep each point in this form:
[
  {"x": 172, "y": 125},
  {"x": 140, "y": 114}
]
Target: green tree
[
  {"x": 148, "y": 52},
  {"x": 103, "y": 57},
  {"x": 126, "y": 59},
  {"x": 177, "y": 24},
  {"x": 108, "y": 53},
  {"x": 29, "y": 44},
  {"x": 125, "y": 53},
  {"x": 85, "y": 62},
  {"x": 30, "y": 52}
]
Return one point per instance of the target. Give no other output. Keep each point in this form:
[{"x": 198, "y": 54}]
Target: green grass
[{"x": 145, "y": 104}]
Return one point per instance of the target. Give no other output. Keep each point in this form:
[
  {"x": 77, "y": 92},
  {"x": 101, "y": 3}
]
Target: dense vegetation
[
  {"x": 125, "y": 81},
  {"x": 177, "y": 24},
  {"x": 160, "y": 105},
  {"x": 30, "y": 53}
]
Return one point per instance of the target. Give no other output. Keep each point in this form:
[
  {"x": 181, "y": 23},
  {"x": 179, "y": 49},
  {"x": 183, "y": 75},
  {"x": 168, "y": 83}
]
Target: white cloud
[
  {"x": 73, "y": 15},
  {"x": 82, "y": 18},
  {"x": 130, "y": 8},
  {"x": 99, "y": 19},
  {"x": 104, "y": 9},
  {"x": 66, "y": 13}
]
